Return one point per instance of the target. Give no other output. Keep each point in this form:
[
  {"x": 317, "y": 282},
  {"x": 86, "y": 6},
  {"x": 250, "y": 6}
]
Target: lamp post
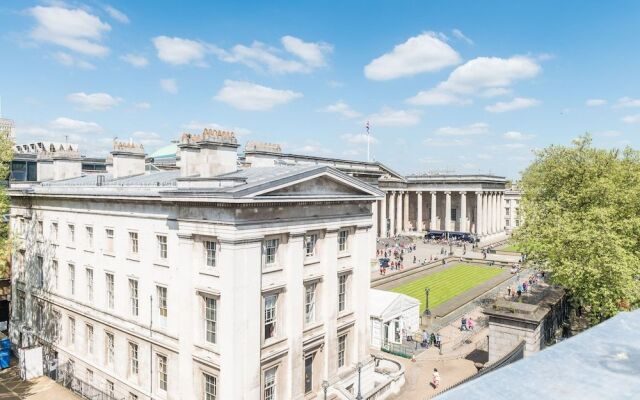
[
  {"x": 325, "y": 387},
  {"x": 359, "y": 396},
  {"x": 427, "y": 312}
]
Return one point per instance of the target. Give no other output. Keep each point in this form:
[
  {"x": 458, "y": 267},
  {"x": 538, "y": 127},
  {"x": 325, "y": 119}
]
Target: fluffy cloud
[
  {"x": 625, "y": 102},
  {"x": 74, "y": 29},
  {"x": 390, "y": 117},
  {"x": 117, "y": 15},
  {"x": 71, "y": 61},
  {"x": 467, "y": 130},
  {"x": 517, "y": 103},
  {"x": 457, "y": 33},
  {"x": 312, "y": 53},
  {"x": 595, "y": 102},
  {"x": 341, "y": 108},
  {"x": 423, "y": 53},
  {"x": 93, "y": 101},
  {"x": 253, "y": 97},
  {"x": 169, "y": 85},
  {"x": 515, "y": 135},
  {"x": 178, "y": 51},
  {"x": 196, "y": 126},
  {"x": 358, "y": 138},
  {"x": 631, "y": 119},
  {"x": 478, "y": 77},
  {"x": 136, "y": 60},
  {"x": 75, "y": 126}
]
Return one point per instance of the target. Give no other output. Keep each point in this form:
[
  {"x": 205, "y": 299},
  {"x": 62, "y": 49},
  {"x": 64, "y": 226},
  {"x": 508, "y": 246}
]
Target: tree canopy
[
  {"x": 6, "y": 155},
  {"x": 581, "y": 213}
]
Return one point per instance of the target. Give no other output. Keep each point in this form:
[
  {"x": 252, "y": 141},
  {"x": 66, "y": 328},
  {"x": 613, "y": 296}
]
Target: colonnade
[{"x": 479, "y": 212}]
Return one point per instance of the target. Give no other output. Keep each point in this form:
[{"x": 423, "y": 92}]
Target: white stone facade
[{"x": 512, "y": 215}]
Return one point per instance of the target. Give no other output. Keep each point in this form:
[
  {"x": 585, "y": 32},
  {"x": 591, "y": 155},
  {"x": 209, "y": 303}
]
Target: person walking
[{"x": 435, "y": 380}]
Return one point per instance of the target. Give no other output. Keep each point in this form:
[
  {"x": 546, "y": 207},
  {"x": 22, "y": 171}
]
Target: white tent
[{"x": 392, "y": 315}]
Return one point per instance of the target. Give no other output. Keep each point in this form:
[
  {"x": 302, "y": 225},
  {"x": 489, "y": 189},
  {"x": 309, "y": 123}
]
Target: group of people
[
  {"x": 392, "y": 256},
  {"x": 467, "y": 324},
  {"x": 525, "y": 285},
  {"x": 430, "y": 340}
]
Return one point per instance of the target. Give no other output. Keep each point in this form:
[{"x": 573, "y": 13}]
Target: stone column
[
  {"x": 405, "y": 208},
  {"x": 492, "y": 212},
  {"x": 432, "y": 223},
  {"x": 392, "y": 214},
  {"x": 485, "y": 213},
  {"x": 495, "y": 212},
  {"x": 399, "y": 204},
  {"x": 479, "y": 215},
  {"x": 383, "y": 216},
  {"x": 463, "y": 211},
  {"x": 447, "y": 210},
  {"x": 419, "y": 212},
  {"x": 502, "y": 212}
]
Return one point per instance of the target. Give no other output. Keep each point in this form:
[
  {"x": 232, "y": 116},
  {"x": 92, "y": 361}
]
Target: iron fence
[{"x": 64, "y": 375}]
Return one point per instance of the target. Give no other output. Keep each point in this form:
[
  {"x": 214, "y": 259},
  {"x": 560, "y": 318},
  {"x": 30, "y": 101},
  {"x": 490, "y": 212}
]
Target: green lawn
[
  {"x": 447, "y": 284},
  {"x": 510, "y": 246}
]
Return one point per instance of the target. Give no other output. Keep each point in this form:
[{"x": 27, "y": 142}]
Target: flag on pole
[{"x": 367, "y": 126}]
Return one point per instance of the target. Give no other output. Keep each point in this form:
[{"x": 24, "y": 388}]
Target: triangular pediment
[{"x": 319, "y": 186}]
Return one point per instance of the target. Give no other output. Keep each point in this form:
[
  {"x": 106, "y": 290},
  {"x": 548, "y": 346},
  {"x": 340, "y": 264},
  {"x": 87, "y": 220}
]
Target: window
[
  {"x": 517, "y": 222},
  {"x": 211, "y": 316},
  {"x": 210, "y": 253},
  {"x": 507, "y": 210},
  {"x": 39, "y": 272},
  {"x": 89, "y": 338},
  {"x": 342, "y": 292},
  {"x": 506, "y": 222},
  {"x": 89, "y": 233},
  {"x": 271, "y": 250},
  {"x": 342, "y": 346},
  {"x": 133, "y": 242},
  {"x": 132, "y": 396},
  {"x": 72, "y": 233},
  {"x": 109, "y": 244},
  {"x": 109, "y": 283},
  {"x": 72, "y": 279},
  {"x": 342, "y": 240},
  {"x": 72, "y": 331},
  {"x": 57, "y": 321},
  {"x": 133, "y": 296},
  {"x": 162, "y": 303},
  {"x": 21, "y": 304},
  {"x": 133, "y": 359},
  {"x": 454, "y": 214},
  {"x": 310, "y": 245},
  {"x": 54, "y": 270},
  {"x": 210, "y": 387},
  {"x": 40, "y": 228},
  {"x": 270, "y": 316},
  {"x": 89, "y": 376},
  {"x": 270, "y": 384},
  {"x": 54, "y": 231},
  {"x": 162, "y": 371},
  {"x": 37, "y": 315},
  {"x": 109, "y": 348},
  {"x": 162, "y": 246},
  {"x": 310, "y": 303},
  {"x": 89, "y": 277},
  {"x": 110, "y": 388},
  {"x": 308, "y": 373}
]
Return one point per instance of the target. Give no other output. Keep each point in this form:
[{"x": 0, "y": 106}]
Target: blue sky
[{"x": 461, "y": 86}]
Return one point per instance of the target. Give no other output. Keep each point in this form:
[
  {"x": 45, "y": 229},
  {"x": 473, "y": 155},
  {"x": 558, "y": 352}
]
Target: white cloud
[
  {"x": 143, "y": 105},
  {"x": 75, "y": 126},
  {"x": 513, "y": 145},
  {"x": 253, "y": 97},
  {"x": 595, "y": 102},
  {"x": 169, "y": 85},
  {"x": 71, "y": 61},
  {"x": 495, "y": 92},
  {"x": 341, "y": 108},
  {"x": 517, "y": 103},
  {"x": 625, "y": 102},
  {"x": 117, "y": 14},
  {"x": 631, "y": 119},
  {"x": 479, "y": 76},
  {"x": 196, "y": 126},
  {"x": 437, "y": 142},
  {"x": 423, "y": 53},
  {"x": 467, "y": 130},
  {"x": 93, "y": 101},
  {"x": 178, "y": 51},
  {"x": 610, "y": 133},
  {"x": 136, "y": 60},
  {"x": 457, "y": 33},
  {"x": 390, "y": 117},
  {"x": 74, "y": 29},
  {"x": 515, "y": 135},
  {"x": 358, "y": 138},
  {"x": 312, "y": 53},
  {"x": 148, "y": 138}
]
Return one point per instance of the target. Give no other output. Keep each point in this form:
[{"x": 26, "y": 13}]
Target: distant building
[
  {"x": 512, "y": 215},
  {"x": 8, "y": 128}
]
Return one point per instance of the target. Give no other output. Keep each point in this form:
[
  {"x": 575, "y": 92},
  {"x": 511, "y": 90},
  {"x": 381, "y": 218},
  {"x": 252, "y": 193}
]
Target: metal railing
[{"x": 64, "y": 376}]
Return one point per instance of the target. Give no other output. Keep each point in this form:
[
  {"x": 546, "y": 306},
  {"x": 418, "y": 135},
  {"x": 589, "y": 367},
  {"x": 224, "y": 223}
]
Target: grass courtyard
[
  {"x": 447, "y": 284},
  {"x": 510, "y": 247}
]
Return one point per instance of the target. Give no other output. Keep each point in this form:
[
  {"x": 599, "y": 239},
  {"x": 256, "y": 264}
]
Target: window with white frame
[
  {"x": 271, "y": 251},
  {"x": 507, "y": 211},
  {"x": 210, "y": 387},
  {"x": 342, "y": 292},
  {"x": 211, "y": 319},
  {"x": 269, "y": 390},
  {"x": 133, "y": 242},
  {"x": 110, "y": 289},
  {"x": 57, "y": 322},
  {"x": 210, "y": 253},
  {"x": 20, "y": 309},
  {"x": 89, "y": 279},
  {"x": 342, "y": 350},
  {"x": 37, "y": 315},
  {"x": 162, "y": 371},
  {"x": 89, "y": 375},
  {"x": 310, "y": 244},
  {"x": 310, "y": 303},
  {"x": 40, "y": 228},
  {"x": 72, "y": 279},
  {"x": 506, "y": 222},
  {"x": 109, "y": 234},
  {"x": 54, "y": 271},
  {"x": 110, "y": 388},
  {"x": 39, "y": 272},
  {"x": 308, "y": 373},
  {"x": 88, "y": 230},
  {"x": 72, "y": 233},
  {"x": 343, "y": 236},
  {"x": 162, "y": 246},
  {"x": 109, "y": 348},
  {"x": 133, "y": 296},
  {"x": 133, "y": 360},
  {"x": 270, "y": 308},
  {"x": 54, "y": 231},
  {"x": 89, "y": 338},
  {"x": 162, "y": 303},
  {"x": 72, "y": 331}
]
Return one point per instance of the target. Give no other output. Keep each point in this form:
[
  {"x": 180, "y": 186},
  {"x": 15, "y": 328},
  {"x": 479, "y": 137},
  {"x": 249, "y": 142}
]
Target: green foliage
[
  {"x": 6, "y": 155},
  {"x": 581, "y": 211}
]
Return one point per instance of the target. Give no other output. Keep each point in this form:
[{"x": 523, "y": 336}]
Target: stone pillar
[
  {"x": 463, "y": 211},
  {"x": 392, "y": 214},
  {"x": 432, "y": 223},
  {"x": 495, "y": 212},
  {"x": 383, "y": 216},
  {"x": 419, "y": 212},
  {"x": 375, "y": 218},
  {"x": 447, "y": 210},
  {"x": 405, "y": 209},
  {"x": 399, "y": 202},
  {"x": 479, "y": 215},
  {"x": 485, "y": 213}
]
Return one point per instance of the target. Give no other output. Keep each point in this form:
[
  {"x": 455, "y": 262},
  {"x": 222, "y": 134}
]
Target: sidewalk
[{"x": 42, "y": 388}]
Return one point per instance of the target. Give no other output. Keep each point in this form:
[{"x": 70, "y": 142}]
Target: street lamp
[
  {"x": 325, "y": 387},
  {"x": 359, "y": 396},
  {"x": 427, "y": 312}
]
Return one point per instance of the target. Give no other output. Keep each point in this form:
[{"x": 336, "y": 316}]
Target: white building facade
[
  {"x": 206, "y": 282},
  {"x": 512, "y": 215}
]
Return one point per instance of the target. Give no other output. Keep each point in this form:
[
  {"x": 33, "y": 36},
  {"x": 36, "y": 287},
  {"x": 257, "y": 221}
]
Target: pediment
[{"x": 318, "y": 186}]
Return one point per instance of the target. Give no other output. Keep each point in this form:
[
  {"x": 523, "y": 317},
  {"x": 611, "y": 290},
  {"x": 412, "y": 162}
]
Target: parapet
[
  {"x": 128, "y": 147},
  {"x": 262, "y": 146},
  {"x": 210, "y": 136}
]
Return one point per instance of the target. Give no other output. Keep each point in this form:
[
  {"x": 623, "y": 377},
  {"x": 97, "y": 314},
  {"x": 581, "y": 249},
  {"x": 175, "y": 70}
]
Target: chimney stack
[
  {"x": 209, "y": 154},
  {"x": 128, "y": 159}
]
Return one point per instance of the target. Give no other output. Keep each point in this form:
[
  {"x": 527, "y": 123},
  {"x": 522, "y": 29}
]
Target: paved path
[{"x": 42, "y": 388}]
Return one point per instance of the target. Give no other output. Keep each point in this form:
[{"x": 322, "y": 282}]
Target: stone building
[
  {"x": 204, "y": 282},
  {"x": 512, "y": 215}
]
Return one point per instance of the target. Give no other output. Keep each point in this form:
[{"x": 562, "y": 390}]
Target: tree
[
  {"x": 581, "y": 211},
  {"x": 6, "y": 155}
]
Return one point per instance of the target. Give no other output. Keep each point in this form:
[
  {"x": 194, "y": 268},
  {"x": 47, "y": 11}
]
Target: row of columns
[{"x": 489, "y": 213}]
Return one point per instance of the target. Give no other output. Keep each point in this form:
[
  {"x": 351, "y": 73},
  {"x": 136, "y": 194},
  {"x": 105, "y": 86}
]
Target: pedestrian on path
[{"x": 435, "y": 380}]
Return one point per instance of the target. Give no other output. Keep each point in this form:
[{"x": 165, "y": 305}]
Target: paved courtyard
[{"x": 42, "y": 388}]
